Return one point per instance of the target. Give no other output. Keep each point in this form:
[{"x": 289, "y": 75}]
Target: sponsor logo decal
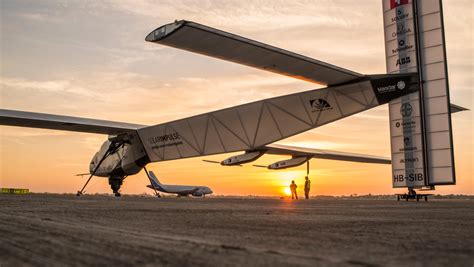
[
  {"x": 401, "y": 30},
  {"x": 320, "y": 105},
  {"x": 407, "y": 126},
  {"x": 409, "y": 160},
  {"x": 401, "y": 85},
  {"x": 411, "y": 148},
  {"x": 172, "y": 139},
  {"x": 164, "y": 138},
  {"x": 406, "y": 109},
  {"x": 403, "y": 61},
  {"x": 402, "y": 46},
  {"x": 396, "y": 3},
  {"x": 408, "y": 147},
  {"x": 400, "y": 16},
  {"x": 386, "y": 89},
  {"x": 390, "y": 88},
  {"x": 407, "y": 141}
]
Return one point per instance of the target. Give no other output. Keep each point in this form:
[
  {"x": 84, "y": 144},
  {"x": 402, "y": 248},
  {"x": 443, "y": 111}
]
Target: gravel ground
[{"x": 40, "y": 229}]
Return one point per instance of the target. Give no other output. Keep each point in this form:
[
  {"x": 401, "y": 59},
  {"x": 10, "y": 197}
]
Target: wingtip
[{"x": 163, "y": 31}]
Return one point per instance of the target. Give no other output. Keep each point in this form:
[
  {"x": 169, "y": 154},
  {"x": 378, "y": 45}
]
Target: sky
[{"x": 89, "y": 59}]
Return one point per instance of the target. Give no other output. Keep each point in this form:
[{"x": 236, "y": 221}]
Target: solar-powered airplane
[{"x": 252, "y": 127}]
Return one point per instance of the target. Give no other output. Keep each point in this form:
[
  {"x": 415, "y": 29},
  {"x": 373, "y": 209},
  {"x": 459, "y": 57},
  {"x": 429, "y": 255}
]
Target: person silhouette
[
  {"x": 307, "y": 187},
  {"x": 293, "y": 187}
]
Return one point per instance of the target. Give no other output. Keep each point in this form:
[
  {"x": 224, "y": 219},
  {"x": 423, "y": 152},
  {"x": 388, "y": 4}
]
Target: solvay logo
[{"x": 401, "y": 85}]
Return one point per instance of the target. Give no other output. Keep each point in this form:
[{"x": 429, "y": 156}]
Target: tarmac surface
[{"x": 45, "y": 230}]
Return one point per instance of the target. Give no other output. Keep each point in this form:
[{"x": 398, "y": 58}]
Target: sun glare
[{"x": 287, "y": 191}]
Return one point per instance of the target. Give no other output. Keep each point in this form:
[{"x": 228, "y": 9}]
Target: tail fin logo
[{"x": 154, "y": 181}]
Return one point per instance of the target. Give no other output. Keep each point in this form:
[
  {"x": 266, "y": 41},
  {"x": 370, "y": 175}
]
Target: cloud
[
  {"x": 61, "y": 86},
  {"x": 262, "y": 14}
]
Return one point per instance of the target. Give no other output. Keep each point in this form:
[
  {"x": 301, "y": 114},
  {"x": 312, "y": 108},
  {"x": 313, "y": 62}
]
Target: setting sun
[{"x": 287, "y": 191}]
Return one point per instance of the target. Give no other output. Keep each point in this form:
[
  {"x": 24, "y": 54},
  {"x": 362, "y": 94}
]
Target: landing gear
[
  {"x": 115, "y": 184},
  {"x": 413, "y": 195},
  {"x": 113, "y": 147}
]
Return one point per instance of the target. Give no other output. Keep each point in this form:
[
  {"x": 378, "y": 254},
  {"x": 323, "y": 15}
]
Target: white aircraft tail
[
  {"x": 420, "y": 122},
  {"x": 154, "y": 181}
]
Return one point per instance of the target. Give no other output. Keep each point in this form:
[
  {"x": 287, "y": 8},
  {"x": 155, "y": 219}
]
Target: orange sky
[{"x": 90, "y": 60}]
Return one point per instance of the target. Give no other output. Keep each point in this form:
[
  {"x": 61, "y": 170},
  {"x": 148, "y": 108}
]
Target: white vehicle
[
  {"x": 180, "y": 190},
  {"x": 251, "y": 127}
]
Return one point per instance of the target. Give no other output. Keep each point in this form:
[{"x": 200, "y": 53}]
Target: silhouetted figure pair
[{"x": 307, "y": 188}]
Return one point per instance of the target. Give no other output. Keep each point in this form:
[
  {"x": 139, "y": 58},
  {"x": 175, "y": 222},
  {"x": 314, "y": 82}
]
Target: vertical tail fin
[
  {"x": 420, "y": 123},
  {"x": 154, "y": 181}
]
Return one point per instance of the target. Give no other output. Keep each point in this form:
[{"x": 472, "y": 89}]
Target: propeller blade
[
  {"x": 260, "y": 166},
  {"x": 211, "y": 161}
]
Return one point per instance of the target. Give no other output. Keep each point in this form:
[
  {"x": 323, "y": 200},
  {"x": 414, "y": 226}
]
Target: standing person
[
  {"x": 307, "y": 187},
  {"x": 293, "y": 187}
]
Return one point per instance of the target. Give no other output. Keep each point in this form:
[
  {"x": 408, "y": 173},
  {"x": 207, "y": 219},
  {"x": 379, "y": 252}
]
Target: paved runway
[{"x": 42, "y": 229}]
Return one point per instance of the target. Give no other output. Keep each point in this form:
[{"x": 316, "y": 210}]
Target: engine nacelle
[
  {"x": 283, "y": 164},
  {"x": 243, "y": 158}
]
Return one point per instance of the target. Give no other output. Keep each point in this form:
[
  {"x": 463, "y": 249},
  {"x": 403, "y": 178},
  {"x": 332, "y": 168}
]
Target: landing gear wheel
[{"x": 115, "y": 184}]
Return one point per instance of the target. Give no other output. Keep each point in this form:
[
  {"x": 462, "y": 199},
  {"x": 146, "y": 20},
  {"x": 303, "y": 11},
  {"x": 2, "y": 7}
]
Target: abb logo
[{"x": 395, "y": 3}]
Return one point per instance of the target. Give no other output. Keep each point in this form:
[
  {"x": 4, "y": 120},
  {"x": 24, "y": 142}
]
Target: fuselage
[
  {"x": 128, "y": 159},
  {"x": 117, "y": 160}
]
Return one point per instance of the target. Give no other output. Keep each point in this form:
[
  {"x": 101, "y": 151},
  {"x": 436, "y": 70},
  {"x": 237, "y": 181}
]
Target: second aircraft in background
[{"x": 180, "y": 190}]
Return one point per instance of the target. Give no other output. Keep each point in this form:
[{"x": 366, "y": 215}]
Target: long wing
[
  {"x": 77, "y": 124},
  {"x": 277, "y": 149},
  {"x": 66, "y": 123},
  {"x": 253, "y": 125},
  {"x": 211, "y": 42}
]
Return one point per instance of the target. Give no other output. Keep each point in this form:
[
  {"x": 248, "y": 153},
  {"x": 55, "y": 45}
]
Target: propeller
[
  {"x": 211, "y": 161},
  {"x": 261, "y": 166}
]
